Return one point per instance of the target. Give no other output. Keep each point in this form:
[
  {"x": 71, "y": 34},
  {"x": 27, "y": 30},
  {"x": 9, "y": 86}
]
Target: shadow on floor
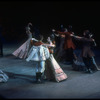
[{"x": 29, "y": 78}]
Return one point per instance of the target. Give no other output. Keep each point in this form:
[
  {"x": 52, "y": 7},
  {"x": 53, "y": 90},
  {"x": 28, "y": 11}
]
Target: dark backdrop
[{"x": 45, "y": 15}]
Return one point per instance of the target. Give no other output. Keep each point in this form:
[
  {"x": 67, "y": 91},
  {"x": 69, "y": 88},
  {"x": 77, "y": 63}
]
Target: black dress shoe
[
  {"x": 86, "y": 70},
  {"x": 90, "y": 71}
]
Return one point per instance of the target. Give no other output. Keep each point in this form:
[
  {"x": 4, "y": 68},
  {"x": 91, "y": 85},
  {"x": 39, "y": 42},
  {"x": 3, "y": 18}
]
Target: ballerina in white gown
[{"x": 22, "y": 51}]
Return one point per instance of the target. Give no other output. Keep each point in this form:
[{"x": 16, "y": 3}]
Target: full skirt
[
  {"x": 23, "y": 50},
  {"x": 53, "y": 71}
]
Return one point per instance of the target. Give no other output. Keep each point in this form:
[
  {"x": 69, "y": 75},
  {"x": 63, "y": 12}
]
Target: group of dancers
[
  {"x": 34, "y": 49},
  {"x": 46, "y": 55}
]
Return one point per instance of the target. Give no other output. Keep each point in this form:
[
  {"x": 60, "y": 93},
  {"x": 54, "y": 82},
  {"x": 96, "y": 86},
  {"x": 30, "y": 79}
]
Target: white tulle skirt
[
  {"x": 23, "y": 50},
  {"x": 3, "y": 77}
]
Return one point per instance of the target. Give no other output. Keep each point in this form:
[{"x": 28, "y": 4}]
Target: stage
[{"x": 21, "y": 83}]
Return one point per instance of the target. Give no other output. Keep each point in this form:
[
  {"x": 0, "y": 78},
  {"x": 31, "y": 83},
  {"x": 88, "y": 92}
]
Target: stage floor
[{"x": 21, "y": 81}]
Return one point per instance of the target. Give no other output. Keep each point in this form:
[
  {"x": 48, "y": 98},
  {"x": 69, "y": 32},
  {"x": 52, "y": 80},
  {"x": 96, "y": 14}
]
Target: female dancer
[
  {"x": 53, "y": 71},
  {"x": 22, "y": 51}
]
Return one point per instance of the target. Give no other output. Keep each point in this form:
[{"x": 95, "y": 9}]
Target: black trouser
[
  {"x": 87, "y": 62},
  {"x": 90, "y": 63},
  {"x": 69, "y": 55}
]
